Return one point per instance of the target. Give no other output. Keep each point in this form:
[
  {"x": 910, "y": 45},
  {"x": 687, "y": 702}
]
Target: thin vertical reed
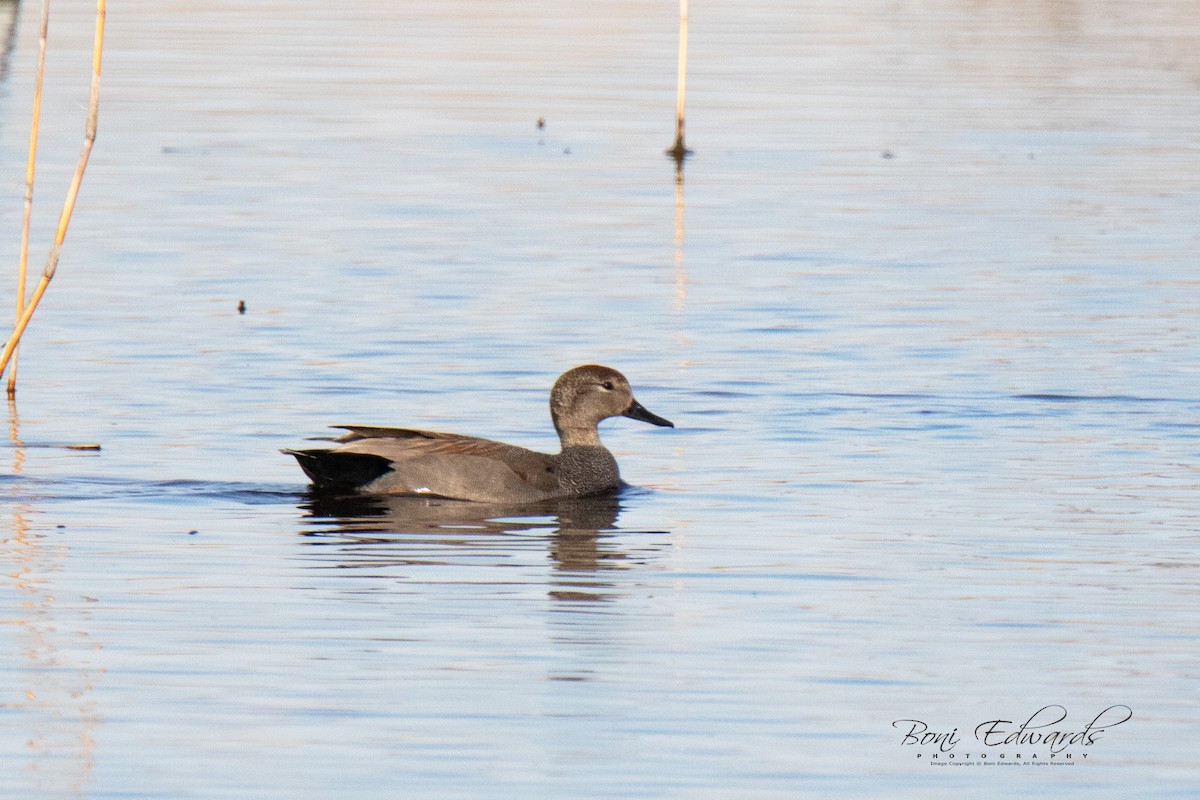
[
  {"x": 64, "y": 219},
  {"x": 678, "y": 151},
  {"x": 30, "y": 163}
]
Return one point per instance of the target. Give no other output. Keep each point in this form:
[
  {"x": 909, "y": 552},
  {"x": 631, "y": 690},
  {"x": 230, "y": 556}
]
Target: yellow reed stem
[
  {"x": 64, "y": 219},
  {"x": 678, "y": 151},
  {"x": 31, "y": 161}
]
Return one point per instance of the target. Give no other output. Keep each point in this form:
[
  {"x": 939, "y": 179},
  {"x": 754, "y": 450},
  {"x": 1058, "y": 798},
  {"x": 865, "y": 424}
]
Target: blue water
[{"x": 923, "y": 306}]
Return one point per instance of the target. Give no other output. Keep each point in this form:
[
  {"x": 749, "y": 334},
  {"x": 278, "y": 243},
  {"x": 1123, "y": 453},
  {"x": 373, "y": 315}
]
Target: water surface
[{"x": 923, "y": 305}]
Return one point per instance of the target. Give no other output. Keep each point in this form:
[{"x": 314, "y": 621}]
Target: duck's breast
[{"x": 586, "y": 470}]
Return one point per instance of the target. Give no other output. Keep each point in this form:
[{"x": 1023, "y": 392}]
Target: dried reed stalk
[
  {"x": 64, "y": 219},
  {"x": 678, "y": 151},
  {"x": 30, "y": 163}
]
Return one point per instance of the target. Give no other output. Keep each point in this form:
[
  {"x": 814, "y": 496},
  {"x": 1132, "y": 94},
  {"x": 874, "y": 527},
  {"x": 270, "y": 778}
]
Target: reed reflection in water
[{"x": 53, "y": 665}]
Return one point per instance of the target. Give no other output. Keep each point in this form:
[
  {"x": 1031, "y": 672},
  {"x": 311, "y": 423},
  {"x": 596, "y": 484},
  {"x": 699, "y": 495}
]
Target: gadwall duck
[{"x": 411, "y": 462}]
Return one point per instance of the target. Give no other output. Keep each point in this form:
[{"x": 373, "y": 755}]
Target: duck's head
[{"x": 585, "y": 395}]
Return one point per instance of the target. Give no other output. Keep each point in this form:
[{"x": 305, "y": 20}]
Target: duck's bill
[{"x": 638, "y": 412}]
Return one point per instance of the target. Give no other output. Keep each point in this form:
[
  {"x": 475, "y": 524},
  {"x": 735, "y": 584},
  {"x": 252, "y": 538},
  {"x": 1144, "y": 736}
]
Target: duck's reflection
[{"x": 377, "y": 535}]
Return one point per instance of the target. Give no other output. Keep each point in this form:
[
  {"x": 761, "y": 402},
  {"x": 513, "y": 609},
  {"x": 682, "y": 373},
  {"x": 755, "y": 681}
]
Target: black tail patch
[{"x": 333, "y": 470}]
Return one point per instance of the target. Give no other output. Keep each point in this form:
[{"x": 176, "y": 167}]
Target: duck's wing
[
  {"x": 356, "y": 433},
  {"x": 401, "y": 443},
  {"x": 443, "y": 464}
]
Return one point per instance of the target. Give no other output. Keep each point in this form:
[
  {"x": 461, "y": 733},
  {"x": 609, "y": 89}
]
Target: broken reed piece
[{"x": 92, "y": 447}]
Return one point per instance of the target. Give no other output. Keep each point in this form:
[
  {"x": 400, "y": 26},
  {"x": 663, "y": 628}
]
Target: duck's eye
[{"x": 607, "y": 386}]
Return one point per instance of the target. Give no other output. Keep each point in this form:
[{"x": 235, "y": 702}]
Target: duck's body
[{"x": 402, "y": 461}]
